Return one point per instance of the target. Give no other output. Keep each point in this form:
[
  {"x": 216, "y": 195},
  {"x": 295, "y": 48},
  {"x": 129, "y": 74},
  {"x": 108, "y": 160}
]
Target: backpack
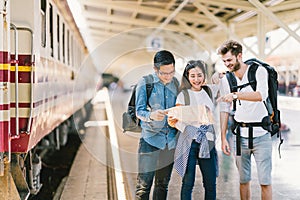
[
  {"x": 271, "y": 123},
  {"x": 129, "y": 120}
]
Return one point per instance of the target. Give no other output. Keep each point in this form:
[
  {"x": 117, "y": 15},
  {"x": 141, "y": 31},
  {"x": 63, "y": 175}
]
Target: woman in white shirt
[{"x": 196, "y": 142}]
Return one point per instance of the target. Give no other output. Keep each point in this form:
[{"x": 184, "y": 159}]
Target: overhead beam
[
  {"x": 167, "y": 8},
  {"x": 249, "y": 27},
  {"x": 103, "y": 34},
  {"x": 286, "y": 5},
  {"x": 285, "y": 39},
  {"x": 261, "y": 36},
  {"x": 275, "y": 19},
  {"x": 205, "y": 45},
  {"x": 106, "y": 25},
  {"x": 242, "y": 5},
  {"x": 171, "y": 17},
  {"x": 286, "y": 16},
  {"x": 135, "y": 13},
  {"x": 138, "y": 22},
  {"x": 134, "y": 7},
  {"x": 218, "y": 22}
]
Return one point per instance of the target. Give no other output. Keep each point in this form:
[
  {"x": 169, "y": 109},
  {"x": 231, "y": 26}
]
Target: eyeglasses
[{"x": 166, "y": 74}]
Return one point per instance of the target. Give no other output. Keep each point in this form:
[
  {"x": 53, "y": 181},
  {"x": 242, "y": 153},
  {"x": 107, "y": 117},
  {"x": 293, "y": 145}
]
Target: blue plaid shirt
[
  {"x": 184, "y": 145},
  {"x": 157, "y": 133}
]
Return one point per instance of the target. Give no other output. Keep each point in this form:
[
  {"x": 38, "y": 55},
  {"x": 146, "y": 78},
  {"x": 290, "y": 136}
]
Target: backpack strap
[
  {"x": 232, "y": 85},
  {"x": 149, "y": 86},
  {"x": 176, "y": 82},
  {"x": 208, "y": 91},
  {"x": 251, "y": 74},
  {"x": 234, "y": 88},
  {"x": 232, "y": 81},
  {"x": 186, "y": 97}
]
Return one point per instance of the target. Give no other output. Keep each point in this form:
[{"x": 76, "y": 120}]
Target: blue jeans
[
  {"x": 153, "y": 162},
  {"x": 208, "y": 167}
]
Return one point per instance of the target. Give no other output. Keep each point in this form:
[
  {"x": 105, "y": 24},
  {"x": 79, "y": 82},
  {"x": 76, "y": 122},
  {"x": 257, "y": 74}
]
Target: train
[{"x": 46, "y": 78}]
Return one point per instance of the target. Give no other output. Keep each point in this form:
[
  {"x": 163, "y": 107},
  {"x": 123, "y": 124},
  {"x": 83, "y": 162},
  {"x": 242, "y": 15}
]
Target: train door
[
  {"x": 21, "y": 105},
  {"x": 8, "y": 189},
  {"x": 4, "y": 83}
]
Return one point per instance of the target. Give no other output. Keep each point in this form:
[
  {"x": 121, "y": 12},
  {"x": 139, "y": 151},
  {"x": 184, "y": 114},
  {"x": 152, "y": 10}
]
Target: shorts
[{"x": 262, "y": 152}]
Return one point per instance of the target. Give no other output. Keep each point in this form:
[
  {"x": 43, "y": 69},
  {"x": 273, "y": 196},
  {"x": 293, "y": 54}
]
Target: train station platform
[{"x": 91, "y": 175}]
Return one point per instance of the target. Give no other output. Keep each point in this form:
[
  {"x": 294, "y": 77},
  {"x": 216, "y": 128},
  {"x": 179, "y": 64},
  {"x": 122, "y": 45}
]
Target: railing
[{"x": 16, "y": 62}]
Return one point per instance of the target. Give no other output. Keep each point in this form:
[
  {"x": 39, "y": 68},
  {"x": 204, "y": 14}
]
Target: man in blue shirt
[{"x": 158, "y": 139}]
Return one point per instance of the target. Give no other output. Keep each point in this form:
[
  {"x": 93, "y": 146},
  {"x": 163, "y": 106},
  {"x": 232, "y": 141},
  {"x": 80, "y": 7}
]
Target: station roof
[{"x": 208, "y": 22}]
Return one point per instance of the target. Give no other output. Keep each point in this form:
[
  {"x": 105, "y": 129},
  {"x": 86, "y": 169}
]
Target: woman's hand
[{"x": 172, "y": 121}]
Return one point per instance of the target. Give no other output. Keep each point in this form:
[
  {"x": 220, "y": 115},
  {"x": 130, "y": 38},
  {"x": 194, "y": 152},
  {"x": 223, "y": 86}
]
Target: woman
[{"x": 196, "y": 142}]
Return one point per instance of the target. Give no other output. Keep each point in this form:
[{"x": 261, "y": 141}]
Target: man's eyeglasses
[{"x": 166, "y": 74}]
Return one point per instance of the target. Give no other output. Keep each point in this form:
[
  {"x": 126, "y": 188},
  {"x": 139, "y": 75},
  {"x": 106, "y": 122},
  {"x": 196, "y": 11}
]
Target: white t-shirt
[
  {"x": 197, "y": 98},
  {"x": 248, "y": 111}
]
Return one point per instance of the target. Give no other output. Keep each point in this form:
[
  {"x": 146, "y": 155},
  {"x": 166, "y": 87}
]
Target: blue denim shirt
[{"x": 157, "y": 133}]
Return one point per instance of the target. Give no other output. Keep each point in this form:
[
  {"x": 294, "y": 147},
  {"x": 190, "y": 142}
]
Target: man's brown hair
[{"x": 230, "y": 46}]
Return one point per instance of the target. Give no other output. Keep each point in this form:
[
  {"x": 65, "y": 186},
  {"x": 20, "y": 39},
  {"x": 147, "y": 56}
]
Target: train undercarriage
[{"x": 21, "y": 172}]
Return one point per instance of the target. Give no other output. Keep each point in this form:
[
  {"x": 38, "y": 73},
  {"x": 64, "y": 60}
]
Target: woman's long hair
[{"x": 185, "y": 83}]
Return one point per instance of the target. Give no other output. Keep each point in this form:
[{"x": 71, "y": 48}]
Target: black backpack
[
  {"x": 271, "y": 123},
  {"x": 129, "y": 120}
]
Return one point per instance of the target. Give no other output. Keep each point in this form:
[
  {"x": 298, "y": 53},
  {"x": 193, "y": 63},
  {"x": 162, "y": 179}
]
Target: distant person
[
  {"x": 196, "y": 142},
  {"x": 249, "y": 108},
  {"x": 158, "y": 139}
]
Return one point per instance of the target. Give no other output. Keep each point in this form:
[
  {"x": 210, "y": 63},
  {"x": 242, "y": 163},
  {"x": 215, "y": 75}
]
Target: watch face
[{"x": 234, "y": 96}]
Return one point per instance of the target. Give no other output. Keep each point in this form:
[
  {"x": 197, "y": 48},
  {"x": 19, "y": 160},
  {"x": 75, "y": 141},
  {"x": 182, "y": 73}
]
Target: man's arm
[
  {"x": 141, "y": 105},
  {"x": 224, "y": 116},
  {"x": 141, "y": 101},
  {"x": 225, "y": 108},
  {"x": 247, "y": 96}
]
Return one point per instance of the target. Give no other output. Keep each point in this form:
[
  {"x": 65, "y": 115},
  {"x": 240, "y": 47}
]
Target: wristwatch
[{"x": 234, "y": 96}]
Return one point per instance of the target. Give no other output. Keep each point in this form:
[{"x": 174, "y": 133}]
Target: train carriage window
[
  {"x": 63, "y": 42},
  {"x": 43, "y": 23},
  {"x": 72, "y": 51},
  {"x": 58, "y": 40},
  {"x": 68, "y": 46},
  {"x": 51, "y": 28}
]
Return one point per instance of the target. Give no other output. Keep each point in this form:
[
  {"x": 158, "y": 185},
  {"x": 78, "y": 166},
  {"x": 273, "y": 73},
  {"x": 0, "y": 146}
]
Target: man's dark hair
[
  {"x": 163, "y": 57},
  {"x": 230, "y": 46}
]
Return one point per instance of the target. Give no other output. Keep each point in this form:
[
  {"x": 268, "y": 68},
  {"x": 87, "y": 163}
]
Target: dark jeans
[
  {"x": 153, "y": 162},
  {"x": 208, "y": 167}
]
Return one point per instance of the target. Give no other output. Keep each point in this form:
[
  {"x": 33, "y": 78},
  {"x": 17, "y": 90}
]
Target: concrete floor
[{"x": 285, "y": 174}]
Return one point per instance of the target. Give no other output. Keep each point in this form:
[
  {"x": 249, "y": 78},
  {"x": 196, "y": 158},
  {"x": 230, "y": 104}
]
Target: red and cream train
[{"x": 42, "y": 85}]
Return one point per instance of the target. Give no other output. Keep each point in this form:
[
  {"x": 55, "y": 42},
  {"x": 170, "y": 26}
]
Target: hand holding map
[{"x": 191, "y": 114}]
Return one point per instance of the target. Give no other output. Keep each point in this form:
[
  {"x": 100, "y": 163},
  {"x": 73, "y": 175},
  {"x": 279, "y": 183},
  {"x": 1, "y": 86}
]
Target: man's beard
[{"x": 236, "y": 66}]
